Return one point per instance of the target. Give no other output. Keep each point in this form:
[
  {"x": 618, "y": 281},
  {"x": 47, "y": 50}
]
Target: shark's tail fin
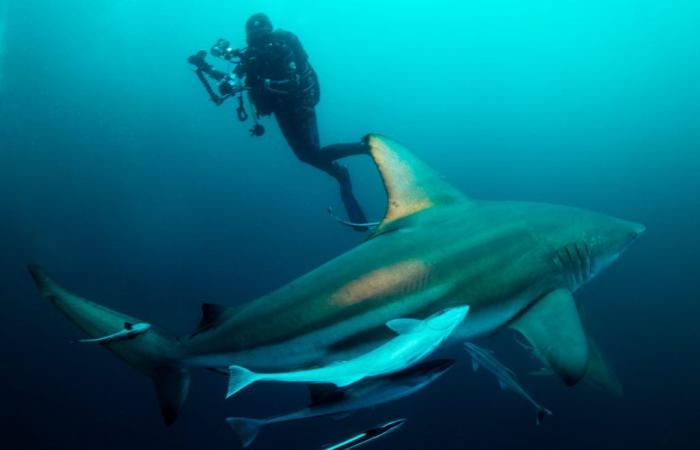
[
  {"x": 239, "y": 378},
  {"x": 152, "y": 353},
  {"x": 246, "y": 429},
  {"x": 542, "y": 412}
]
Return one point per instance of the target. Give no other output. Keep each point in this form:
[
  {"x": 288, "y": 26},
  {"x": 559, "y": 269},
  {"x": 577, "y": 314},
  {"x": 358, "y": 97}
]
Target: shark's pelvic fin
[
  {"x": 154, "y": 353},
  {"x": 411, "y": 185},
  {"x": 553, "y": 327},
  {"x": 403, "y": 326}
]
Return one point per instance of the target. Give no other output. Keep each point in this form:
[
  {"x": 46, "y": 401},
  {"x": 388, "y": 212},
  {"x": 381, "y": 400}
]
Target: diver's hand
[
  {"x": 230, "y": 86},
  {"x": 198, "y": 61}
]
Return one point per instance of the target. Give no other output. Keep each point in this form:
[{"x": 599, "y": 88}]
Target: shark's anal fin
[
  {"x": 411, "y": 185},
  {"x": 553, "y": 327}
]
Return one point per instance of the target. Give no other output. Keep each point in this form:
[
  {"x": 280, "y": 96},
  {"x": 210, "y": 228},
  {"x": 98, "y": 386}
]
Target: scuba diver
[{"x": 275, "y": 71}]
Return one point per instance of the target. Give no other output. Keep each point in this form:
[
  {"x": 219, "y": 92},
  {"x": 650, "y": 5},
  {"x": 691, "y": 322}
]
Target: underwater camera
[{"x": 222, "y": 49}]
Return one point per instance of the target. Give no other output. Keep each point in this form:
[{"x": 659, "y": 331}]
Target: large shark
[{"x": 515, "y": 264}]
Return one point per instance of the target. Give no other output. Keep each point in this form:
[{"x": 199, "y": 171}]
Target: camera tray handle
[{"x": 217, "y": 99}]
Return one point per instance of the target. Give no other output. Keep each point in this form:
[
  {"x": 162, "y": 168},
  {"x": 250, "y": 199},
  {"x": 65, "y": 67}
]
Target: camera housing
[{"x": 222, "y": 49}]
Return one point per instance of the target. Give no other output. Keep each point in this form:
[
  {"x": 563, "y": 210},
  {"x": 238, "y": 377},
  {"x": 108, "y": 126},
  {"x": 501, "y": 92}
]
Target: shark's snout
[
  {"x": 628, "y": 233},
  {"x": 638, "y": 229},
  {"x": 615, "y": 237}
]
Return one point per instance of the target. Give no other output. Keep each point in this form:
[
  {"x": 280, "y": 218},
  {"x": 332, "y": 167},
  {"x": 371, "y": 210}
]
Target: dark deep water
[{"x": 119, "y": 177}]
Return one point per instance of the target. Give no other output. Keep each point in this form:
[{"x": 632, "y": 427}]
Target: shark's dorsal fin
[
  {"x": 411, "y": 185},
  {"x": 553, "y": 327},
  {"x": 323, "y": 393}
]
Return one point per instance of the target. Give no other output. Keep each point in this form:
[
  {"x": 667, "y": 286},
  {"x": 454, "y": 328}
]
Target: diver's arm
[
  {"x": 285, "y": 86},
  {"x": 299, "y": 55},
  {"x": 294, "y": 65}
]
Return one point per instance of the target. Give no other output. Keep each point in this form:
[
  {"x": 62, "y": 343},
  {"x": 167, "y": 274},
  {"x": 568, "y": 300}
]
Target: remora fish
[
  {"x": 515, "y": 264},
  {"x": 327, "y": 400},
  {"x": 366, "y": 436},
  {"x": 506, "y": 378},
  {"x": 415, "y": 341},
  {"x": 130, "y": 330}
]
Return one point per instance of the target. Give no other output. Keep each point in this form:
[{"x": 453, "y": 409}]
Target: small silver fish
[{"x": 366, "y": 436}]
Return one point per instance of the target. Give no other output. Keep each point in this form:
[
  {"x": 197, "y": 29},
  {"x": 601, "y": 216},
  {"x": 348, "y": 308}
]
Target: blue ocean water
[{"x": 121, "y": 178}]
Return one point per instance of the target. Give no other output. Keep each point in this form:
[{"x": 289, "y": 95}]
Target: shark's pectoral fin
[
  {"x": 553, "y": 327},
  {"x": 411, "y": 185},
  {"x": 403, "y": 326}
]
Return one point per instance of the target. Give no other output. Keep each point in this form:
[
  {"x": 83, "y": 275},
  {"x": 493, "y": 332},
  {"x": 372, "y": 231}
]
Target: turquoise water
[{"x": 120, "y": 177}]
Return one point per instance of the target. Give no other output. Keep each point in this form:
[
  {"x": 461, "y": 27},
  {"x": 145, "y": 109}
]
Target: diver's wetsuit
[{"x": 282, "y": 82}]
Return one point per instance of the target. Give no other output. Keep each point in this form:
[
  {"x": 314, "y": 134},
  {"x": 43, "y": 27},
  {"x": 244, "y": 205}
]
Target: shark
[{"x": 516, "y": 264}]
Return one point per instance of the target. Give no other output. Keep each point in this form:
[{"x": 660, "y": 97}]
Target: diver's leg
[
  {"x": 326, "y": 162},
  {"x": 334, "y": 152},
  {"x": 301, "y": 132}
]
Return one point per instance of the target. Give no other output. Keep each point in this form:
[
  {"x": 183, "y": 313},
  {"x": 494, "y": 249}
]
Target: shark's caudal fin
[
  {"x": 246, "y": 429},
  {"x": 152, "y": 353},
  {"x": 239, "y": 378},
  {"x": 411, "y": 185}
]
